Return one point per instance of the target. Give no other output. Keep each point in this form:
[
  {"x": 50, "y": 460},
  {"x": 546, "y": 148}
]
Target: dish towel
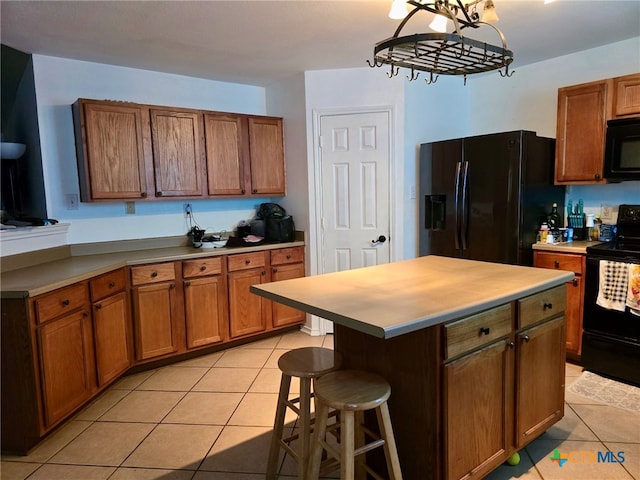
[
  {"x": 633, "y": 290},
  {"x": 612, "y": 290}
]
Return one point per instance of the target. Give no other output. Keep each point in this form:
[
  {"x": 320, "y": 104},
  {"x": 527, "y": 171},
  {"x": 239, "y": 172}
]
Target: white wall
[{"x": 60, "y": 82}]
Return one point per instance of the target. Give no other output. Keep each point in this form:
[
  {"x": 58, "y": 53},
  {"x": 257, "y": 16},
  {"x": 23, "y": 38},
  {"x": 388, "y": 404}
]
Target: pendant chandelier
[{"x": 439, "y": 52}]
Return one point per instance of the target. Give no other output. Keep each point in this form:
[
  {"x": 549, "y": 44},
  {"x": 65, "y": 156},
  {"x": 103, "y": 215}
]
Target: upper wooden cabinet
[
  {"x": 110, "y": 140},
  {"x": 245, "y": 155},
  {"x": 583, "y": 111},
  {"x": 266, "y": 153},
  {"x": 178, "y": 153},
  {"x": 582, "y": 114},
  {"x": 134, "y": 152},
  {"x": 626, "y": 91}
]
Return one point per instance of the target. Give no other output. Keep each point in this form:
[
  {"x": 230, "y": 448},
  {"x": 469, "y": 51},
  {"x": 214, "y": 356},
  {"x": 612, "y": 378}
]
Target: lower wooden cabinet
[
  {"x": 155, "y": 310},
  {"x": 66, "y": 364},
  {"x": 539, "y": 368},
  {"x": 286, "y": 263},
  {"x": 248, "y": 313},
  {"x": 205, "y": 300},
  {"x": 478, "y": 413},
  {"x": 112, "y": 329},
  {"x": 575, "y": 263}
]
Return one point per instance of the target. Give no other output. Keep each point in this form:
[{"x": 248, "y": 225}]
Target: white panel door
[{"x": 354, "y": 161}]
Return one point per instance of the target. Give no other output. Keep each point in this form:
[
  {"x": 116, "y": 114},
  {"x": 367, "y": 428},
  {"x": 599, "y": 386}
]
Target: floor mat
[{"x": 607, "y": 391}]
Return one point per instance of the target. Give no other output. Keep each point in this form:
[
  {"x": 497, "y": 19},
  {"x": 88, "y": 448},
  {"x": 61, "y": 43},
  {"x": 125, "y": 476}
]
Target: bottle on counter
[
  {"x": 544, "y": 232},
  {"x": 555, "y": 221},
  {"x": 597, "y": 226}
]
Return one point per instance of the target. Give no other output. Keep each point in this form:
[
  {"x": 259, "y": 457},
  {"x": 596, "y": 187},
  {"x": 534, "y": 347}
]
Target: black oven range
[{"x": 611, "y": 337}]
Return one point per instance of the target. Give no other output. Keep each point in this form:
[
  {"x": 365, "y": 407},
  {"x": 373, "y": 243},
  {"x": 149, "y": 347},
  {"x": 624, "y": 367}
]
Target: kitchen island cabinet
[{"x": 433, "y": 326}]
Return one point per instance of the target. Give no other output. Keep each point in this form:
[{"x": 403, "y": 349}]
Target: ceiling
[{"x": 259, "y": 42}]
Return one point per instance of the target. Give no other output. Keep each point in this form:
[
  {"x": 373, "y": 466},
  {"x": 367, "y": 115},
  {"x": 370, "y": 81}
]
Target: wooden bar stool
[
  {"x": 307, "y": 364},
  {"x": 353, "y": 392}
]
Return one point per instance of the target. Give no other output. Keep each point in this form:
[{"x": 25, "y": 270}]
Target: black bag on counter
[
  {"x": 267, "y": 210},
  {"x": 279, "y": 229}
]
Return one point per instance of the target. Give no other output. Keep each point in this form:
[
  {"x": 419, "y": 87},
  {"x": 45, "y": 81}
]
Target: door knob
[{"x": 381, "y": 239}]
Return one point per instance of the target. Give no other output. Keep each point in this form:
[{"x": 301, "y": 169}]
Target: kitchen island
[{"x": 474, "y": 353}]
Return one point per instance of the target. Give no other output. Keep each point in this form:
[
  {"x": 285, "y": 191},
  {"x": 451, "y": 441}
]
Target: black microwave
[{"x": 622, "y": 150}]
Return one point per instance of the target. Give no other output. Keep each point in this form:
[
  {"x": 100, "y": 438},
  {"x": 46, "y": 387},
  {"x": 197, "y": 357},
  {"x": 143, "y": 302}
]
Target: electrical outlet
[
  {"x": 188, "y": 211},
  {"x": 130, "y": 207},
  {"x": 71, "y": 201},
  {"x": 606, "y": 213}
]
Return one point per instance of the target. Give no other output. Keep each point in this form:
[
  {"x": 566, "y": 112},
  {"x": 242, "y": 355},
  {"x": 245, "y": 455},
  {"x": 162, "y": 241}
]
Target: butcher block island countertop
[{"x": 474, "y": 353}]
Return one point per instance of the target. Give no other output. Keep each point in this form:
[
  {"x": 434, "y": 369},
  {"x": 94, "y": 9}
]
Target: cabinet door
[
  {"x": 478, "y": 412},
  {"x": 111, "y": 327},
  {"x": 627, "y": 95},
  {"x": 113, "y": 166},
  {"x": 266, "y": 153},
  {"x": 153, "y": 307},
  {"x": 177, "y": 153},
  {"x": 247, "y": 312},
  {"x": 227, "y": 171},
  {"x": 66, "y": 357},
  {"x": 582, "y": 116},
  {"x": 539, "y": 379},
  {"x": 283, "y": 315},
  {"x": 205, "y": 300}
]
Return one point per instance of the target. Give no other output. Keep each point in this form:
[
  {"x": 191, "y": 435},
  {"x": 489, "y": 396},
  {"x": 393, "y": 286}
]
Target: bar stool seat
[
  {"x": 351, "y": 393},
  {"x": 307, "y": 364}
]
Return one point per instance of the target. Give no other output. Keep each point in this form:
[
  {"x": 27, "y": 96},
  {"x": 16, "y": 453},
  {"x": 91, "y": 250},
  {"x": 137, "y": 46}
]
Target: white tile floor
[{"x": 210, "y": 418}]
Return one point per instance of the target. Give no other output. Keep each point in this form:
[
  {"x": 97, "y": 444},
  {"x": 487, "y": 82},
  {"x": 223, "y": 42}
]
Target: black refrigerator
[{"x": 484, "y": 197}]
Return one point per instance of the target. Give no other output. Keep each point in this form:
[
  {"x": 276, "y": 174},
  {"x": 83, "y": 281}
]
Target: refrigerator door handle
[
  {"x": 464, "y": 212},
  {"x": 456, "y": 195}
]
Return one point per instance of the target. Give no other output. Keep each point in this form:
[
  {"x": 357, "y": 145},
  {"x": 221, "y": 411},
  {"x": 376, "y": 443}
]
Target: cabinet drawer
[
  {"x": 542, "y": 305},
  {"x": 60, "y": 302},
  {"x": 473, "y": 332},
  {"x": 246, "y": 261},
  {"x": 287, "y": 255},
  {"x": 562, "y": 261},
  {"x": 202, "y": 267},
  {"x": 107, "y": 284},
  {"x": 159, "y": 272}
]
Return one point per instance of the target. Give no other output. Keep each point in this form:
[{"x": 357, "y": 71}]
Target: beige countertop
[
  {"x": 578, "y": 246},
  {"x": 401, "y": 297},
  {"x": 43, "y": 278}
]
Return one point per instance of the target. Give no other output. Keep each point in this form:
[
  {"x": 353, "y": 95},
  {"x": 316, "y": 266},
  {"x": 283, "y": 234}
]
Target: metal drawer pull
[
  {"x": 112, "y": 284},
  {"x": 484, "y": 331},
  {"x": 247, "y": 262},
  {"x": 203, "y": 268},
  {"x": 556, "y": 263},
  {"x": 525, "y": 338},
  {"x": 154, "y": 274},
  {"x": 547, "y": 306},
  {"x": 511, "y": 345},
  {"x": 65, "y": 303}
]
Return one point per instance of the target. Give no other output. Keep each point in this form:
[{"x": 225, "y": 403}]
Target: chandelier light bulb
[
  {"x": 439, "y": 23},
  {"x": 398, "y": 9},
  {"x": 489, "y": 14}
]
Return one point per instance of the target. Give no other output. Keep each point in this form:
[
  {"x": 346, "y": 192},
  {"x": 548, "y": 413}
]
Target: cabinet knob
[
  {"x": 247, "y": 261},
  {"x": 172, "y": 286},
  {"x": 263, "y": 273},
  {"x": 511, "y": 345},
  {"x": 547, "y": 306},
  {"x": 556, "y": 263},
  {"x": 275, "y": 270},
  {"x": 288, "y": 257},
  {"x": 98, "y": 306},
  {"x": 154, "y": 274},
  {"x": 187, "y": 284},
  {"x": 243, "y": 191},
  {"x": 485, "y": 331},
  {"x": 112, "y": 284},
  {"x": 525, "y": 338},
  {"x": 255, "y": 190},
  {"x": 143, "y": 194},
  {"x": 158, "y": 194},
  {"x": 575, "y": 282},
  {"x": 65, "y": 303},
  {"x": 203, "y": 268},
  {"x": 597, "y": 176},
  {"x": 85, "y": 314}
]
